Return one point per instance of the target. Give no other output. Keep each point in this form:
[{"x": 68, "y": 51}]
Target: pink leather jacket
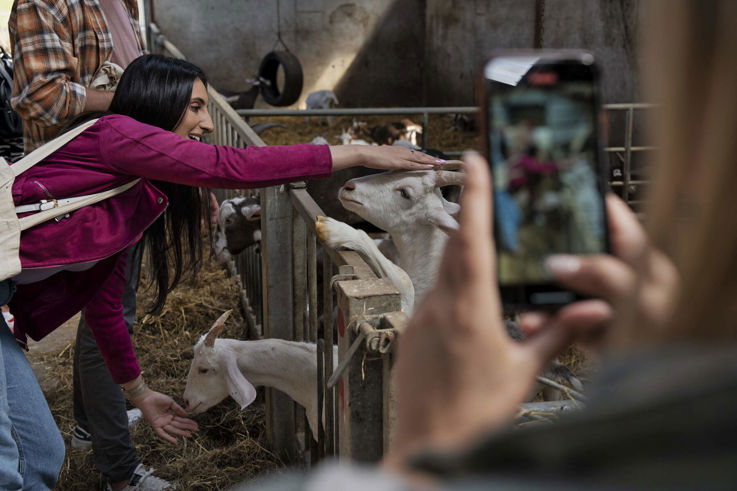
[{"x": 113, "y": 151}]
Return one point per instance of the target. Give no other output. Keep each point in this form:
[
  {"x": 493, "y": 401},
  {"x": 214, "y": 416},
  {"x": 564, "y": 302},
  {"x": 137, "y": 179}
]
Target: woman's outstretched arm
[
  {"x": 146, "y": 151},
  {"x": 381, "y": 157}
]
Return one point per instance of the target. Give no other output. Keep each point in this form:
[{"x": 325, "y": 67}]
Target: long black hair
[{"x": 156, "y": 90}]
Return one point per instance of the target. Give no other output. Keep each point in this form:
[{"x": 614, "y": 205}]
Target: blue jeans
[{"x": 31, "y": 447}]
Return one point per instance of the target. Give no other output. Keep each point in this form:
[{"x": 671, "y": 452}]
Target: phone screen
[{"x": 544, "y": 155}]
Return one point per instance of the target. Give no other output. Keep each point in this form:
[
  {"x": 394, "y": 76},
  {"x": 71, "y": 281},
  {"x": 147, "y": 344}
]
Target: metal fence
[
  {"x": 620, "y": 157},
  {"x": 289, "y": 289}
]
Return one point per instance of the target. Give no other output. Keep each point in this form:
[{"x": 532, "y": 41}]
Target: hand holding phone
[{"x": 541, "y": 134}]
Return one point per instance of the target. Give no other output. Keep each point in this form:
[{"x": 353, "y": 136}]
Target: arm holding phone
[{"x": 459, "y": 374}]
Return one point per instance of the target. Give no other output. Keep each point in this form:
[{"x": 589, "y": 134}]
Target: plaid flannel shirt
[{"x": 58, "y": 46}]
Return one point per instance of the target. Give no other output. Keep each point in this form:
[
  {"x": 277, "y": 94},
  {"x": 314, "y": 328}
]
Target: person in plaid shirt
[{"x": 58, "y": 47}]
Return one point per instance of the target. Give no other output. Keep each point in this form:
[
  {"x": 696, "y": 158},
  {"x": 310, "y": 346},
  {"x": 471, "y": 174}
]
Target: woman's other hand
[
  {"x": 458, "y": 372},
  {"x": 167, "y": 418},
  {"x": 385, "y": 157},
  {"x": 634, "y": 278}
]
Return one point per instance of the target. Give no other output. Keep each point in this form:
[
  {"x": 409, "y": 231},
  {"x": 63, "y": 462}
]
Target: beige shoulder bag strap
[{"x": 57, "y": 210}]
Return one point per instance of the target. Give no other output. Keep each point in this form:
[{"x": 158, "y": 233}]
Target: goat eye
[
  {"x": 404, "y": 193},
  {"x": 203, "y": 370}
]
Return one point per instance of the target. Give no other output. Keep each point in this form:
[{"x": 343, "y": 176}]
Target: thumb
[
  {"x": 178, "y": 410},
  {"x": 576, "y": 320}
]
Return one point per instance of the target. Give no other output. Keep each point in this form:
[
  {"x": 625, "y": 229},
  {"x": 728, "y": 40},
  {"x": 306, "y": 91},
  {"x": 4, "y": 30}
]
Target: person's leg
[
  {"x": 10, "y": 476},
  {"x": 102, "y": 406},
  {"x": 99, "y": 404},
  {"x": 39, "y": 445}
]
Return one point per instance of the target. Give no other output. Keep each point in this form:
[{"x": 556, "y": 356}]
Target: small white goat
[
  {"x": 222, "y": 367},
  {"x": 411, "y": 208},
  {"x": 347, "y": 138},
  {"x": 321, "y": 99},
  {"x": 319, "y": 140}
]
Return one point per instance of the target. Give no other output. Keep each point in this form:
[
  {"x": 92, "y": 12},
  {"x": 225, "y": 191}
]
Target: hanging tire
[{"x": 292, "y": 78}]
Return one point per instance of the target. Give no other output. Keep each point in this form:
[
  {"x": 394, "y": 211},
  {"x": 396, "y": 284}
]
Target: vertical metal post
[
  {"x": 316, "y": 336},
  {"x": 277, "y": 309},
  {"x": 424, "y": 129},
  {"x": 628, "y": 155},
  {"x": 299, "y": 267},
  {"x": 327, "y": 316}
]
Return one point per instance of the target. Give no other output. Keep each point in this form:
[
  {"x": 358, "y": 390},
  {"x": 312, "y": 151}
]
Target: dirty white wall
[
  {"x": 395, "y": 52},
  {"x": 399, "y": 52},
  {"x": 228, "y": 38}
]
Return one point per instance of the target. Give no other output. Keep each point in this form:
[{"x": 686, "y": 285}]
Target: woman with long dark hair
[{"x": 159, "y": 115}]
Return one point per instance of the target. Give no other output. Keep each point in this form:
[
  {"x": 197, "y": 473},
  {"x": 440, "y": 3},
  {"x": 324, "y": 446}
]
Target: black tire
[{"x": 292, "y": 78}]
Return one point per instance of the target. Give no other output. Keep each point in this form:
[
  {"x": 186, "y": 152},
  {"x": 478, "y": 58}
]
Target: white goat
[
  {"x": 321, "y": 99},
  {"x": 222, "y": 367},
  {"x": 408, "y": 205},
  {"x": 319, "y": 140},
  {"x": 411, "y": 208}
]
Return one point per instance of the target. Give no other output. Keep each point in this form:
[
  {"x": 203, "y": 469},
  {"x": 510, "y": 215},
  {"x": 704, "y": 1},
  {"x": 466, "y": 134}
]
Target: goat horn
[
  {"x": 448, "y": 178},
  {"x": 216, "y": 328},
  {"x": 451, "y": 165}
]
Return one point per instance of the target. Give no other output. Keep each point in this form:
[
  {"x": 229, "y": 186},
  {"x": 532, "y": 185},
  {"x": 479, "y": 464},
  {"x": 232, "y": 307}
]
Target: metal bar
[
  {"x": 327, "y": 322},
  {"x": 320, "y": 399},
  {"x": 634, "y": 182},
  {"x": 623, "y": 106},
  {"x": 312, "y": 283},
  {"x": 633, "y": 149},
  {"x": 357, "y": 111},
  {"x": 299, "y": 277},
  {"x": 628, "y": 154},
  {"x": 424, "y": 129}
]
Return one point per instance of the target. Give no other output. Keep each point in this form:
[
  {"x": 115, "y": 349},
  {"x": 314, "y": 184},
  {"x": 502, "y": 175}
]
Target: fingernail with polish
[
  {"x": 440, "y": 161},
  {"x": 562, "y": 264}
]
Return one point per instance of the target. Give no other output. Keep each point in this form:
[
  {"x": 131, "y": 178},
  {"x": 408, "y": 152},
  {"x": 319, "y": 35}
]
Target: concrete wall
[
  {"x": 399, "y": 52},
  {"x": 228, "y": 38}
]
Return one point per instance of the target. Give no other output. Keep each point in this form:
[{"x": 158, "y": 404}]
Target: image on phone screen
[{"x": 544, "y": 160}]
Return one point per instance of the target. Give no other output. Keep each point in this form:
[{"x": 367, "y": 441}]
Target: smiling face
[{"x": 196, "y": 120}]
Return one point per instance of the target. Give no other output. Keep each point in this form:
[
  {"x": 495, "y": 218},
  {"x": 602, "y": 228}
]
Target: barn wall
[{"x": 399, "y": 52}]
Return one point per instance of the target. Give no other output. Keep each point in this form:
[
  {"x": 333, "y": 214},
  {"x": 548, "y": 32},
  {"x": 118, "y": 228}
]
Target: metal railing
[{"x": 622, "y": 183}]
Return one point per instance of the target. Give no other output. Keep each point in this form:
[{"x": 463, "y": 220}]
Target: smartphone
[{"x": 540, "y": 121}]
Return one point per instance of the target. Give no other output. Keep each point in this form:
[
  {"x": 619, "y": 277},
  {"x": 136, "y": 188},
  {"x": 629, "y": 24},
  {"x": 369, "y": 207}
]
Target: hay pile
[
  {"x": 440, "y": 136},
  {"x": 230, "y": 446}
]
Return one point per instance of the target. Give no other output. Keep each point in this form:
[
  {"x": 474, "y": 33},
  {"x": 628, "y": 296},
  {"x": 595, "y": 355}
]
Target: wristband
[{"x": 136, "y": 391}]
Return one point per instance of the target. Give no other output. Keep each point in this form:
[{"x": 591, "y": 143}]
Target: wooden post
[
  {"x": 361, "y": 388},
  {"x": 278, "y": 306}
]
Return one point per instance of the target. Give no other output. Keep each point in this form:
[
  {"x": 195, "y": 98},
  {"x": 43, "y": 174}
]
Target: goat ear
[
  {"x": 216, "y": 329},
  {"x": 441, "y": 219},
  {"x": 451, "y": 208},
  {"x": 240, "y": 389}
]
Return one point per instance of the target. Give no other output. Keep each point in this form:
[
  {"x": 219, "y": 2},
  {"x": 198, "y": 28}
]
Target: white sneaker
[
  {"x": 82, "y": 439},
  {"x": 144, "y": 480},
  {"x": 133, "y": 416}
]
